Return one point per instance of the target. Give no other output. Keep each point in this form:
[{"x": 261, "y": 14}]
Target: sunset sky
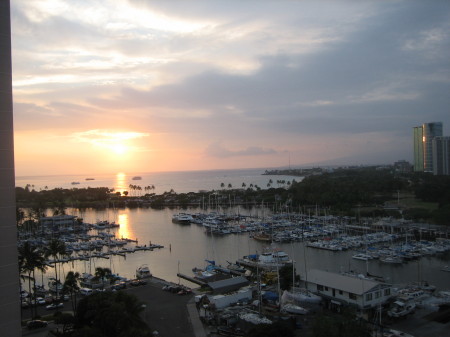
[{"x": 143, "y": 86}]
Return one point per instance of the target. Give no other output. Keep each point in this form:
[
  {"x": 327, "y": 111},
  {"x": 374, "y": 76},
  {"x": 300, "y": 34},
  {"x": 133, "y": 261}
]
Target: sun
[{"x": 119, "y": 149}]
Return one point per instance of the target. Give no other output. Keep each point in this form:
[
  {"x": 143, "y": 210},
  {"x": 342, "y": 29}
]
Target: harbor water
[{"x": 188, "y": 246}]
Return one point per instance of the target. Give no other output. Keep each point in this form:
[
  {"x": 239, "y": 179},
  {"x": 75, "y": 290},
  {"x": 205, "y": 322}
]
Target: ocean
[{"x": 180, "y": 182}]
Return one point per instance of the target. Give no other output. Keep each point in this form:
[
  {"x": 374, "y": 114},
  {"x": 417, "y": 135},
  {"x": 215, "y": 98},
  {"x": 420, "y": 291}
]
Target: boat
[
  {"x": 182, "y": 218},
  {"x": 391, "y": 259},
  {"x": 270, "y": 260},
  {"x": 54, "y": 285},
  {"x": 136, "y": 178},
  {"x": 290, "y": 308},
  {"x": 401, "y": 309},
  {"x": 262, "y": 237},
  {"x": 90, "y": 178},
  {"x": 445, "y": 268},
  {"x": 300, "y": 295},
  {"x": 362, "y": 256},
  {"x": 90, "y": 281},
  {"x": 75, "y": 182},
  {"x": 143, "y": 272},
  {"x": 394, "y": 333}
]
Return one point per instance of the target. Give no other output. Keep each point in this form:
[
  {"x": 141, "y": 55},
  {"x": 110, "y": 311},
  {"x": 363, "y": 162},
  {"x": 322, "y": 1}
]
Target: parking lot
[{"x": 165, "y": 310}]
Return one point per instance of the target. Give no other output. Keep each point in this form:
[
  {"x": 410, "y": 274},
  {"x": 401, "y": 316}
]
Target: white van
[{"x": 86, "y": 291}]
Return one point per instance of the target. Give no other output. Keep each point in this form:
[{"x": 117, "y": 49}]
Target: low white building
[
  {"x": 222, "y": 301},
  {"x": 340, "y": 289}
]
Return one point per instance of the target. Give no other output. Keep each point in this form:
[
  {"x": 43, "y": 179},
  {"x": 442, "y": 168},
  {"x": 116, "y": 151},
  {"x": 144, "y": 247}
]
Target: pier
[{"x": 191, "y": 279}]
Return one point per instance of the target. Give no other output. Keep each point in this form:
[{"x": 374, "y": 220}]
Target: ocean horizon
[{"x": 178, "y": 181}]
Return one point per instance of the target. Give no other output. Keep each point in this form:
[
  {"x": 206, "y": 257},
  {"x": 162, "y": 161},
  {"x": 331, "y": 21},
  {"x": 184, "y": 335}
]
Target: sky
[{"x": 146, "y": 86}]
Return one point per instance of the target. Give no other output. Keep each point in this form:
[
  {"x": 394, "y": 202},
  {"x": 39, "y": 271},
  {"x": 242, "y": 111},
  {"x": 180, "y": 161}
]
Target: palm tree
[
  {"x": 31, "y": 259},
  {"x": 222, "y": 185},
  {"x": 243, "y": 185},
  {"x": 71, "y": 286},
  {"x": 55, "y": 249},
  {"x": 230, "y": 186},
  {"x": 102, "y": 273}
]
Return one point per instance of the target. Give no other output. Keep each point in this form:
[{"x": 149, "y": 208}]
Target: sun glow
[
  {"x": 117, "y": 142},
  {"x": 119, "y": 149}
]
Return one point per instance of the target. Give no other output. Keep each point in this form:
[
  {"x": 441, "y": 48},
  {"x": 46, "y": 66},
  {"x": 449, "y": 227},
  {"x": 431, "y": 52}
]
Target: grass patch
[{"x": 410, "y": 202}]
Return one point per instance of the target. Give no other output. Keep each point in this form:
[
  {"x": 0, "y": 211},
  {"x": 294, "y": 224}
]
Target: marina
[{"x": 116, "y": 242}]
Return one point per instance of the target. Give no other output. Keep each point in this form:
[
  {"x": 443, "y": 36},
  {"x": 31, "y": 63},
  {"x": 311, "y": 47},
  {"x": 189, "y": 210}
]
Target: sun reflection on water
[
  {"x": 120, "y": 184},
  {"x": 125, "y": 231}
]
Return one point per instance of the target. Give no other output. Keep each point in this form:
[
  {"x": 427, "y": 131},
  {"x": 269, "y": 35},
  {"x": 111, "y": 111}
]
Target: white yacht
[
  {"x": 143, "y": 272},
  {"x": 362, "y": 256}
]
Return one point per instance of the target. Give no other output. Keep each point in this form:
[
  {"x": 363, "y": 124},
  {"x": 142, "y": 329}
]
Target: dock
[{"x": 192, "y": 279}]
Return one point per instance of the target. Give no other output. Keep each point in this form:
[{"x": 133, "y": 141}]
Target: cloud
[
  {"x": 281, "y": 75},
  {"x": 118, "y": 141},
  {"x": 217, "y": 150}
]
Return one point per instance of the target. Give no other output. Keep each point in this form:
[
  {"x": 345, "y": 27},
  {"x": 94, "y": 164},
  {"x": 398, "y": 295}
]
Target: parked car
[
  {"x": 135, "y": 283},
  {"x": 35, "y": 324},
  {"x": 54, "y": 306}
]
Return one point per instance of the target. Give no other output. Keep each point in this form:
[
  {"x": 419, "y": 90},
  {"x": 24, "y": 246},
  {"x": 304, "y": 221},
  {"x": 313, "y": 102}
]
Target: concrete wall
[{"x": 9, "y": 280}]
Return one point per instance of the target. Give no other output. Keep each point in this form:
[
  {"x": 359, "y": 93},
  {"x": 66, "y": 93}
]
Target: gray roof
[
  {"x": 350, "y": 284},
  {"x": 229, "y": 282}
]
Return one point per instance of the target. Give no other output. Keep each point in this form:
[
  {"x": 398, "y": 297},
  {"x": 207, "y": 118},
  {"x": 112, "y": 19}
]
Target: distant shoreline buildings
[{"x": 431, "y": 149}]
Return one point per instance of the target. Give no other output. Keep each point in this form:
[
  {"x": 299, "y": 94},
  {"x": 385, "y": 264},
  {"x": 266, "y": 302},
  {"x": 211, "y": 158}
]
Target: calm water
[
  {"x": 180, "y": 182},
  {"x": 188, "y": 246}
]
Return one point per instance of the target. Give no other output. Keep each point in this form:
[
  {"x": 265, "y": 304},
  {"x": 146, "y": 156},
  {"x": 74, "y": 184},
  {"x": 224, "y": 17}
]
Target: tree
[
  {"x": 285, "y": 274},
  {"x": 66, "y": 320},
  {"x": 343, "y": 325},
  {"x": 56, "y": 249},
  {"x": 102, "y": 274},
  {"x": 111, "y": 315},
  {"x": 71, "y": 286},
  {"x": 31, "y": 259}
]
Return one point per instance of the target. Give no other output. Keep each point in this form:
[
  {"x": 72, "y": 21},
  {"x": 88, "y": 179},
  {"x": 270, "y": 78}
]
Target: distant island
[{"x": 298, "y": 172}]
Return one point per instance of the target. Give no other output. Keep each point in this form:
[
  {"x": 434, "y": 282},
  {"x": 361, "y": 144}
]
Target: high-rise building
[
  {"x": 418, "y": 148},
  {"x": 9, "y": 269},
  {"x": 430, "y": 131},
  {"x": 441, "y": 155},
  {"x": 423, "y": 145}
]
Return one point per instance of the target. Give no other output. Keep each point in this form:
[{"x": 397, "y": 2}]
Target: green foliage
[
  {"x": 441, "y": 216},
  {"x": 433, "y": 188},
  {"x": 417, "y": 214},
  {"x": 344, "y": 325},
  {"x": 276, "y": 329},
  {"x": 285, "y": 274},
  {"x": 110, "y": 315},
  {"x": 346, "y": 188},
  {"x": 65, "y": 319}
]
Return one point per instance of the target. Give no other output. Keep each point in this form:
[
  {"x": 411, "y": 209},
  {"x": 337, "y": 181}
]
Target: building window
[
  {"x": 341, "y": 292},
  {"x": 387, "y": 292},
  {"x": 368, "y": 297},
  {"x": 352, "y": 296},
  {"x": 326, "y": 288},
  {"x": 377, "y": 294},
  {"x": 319, "y": 287}
]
